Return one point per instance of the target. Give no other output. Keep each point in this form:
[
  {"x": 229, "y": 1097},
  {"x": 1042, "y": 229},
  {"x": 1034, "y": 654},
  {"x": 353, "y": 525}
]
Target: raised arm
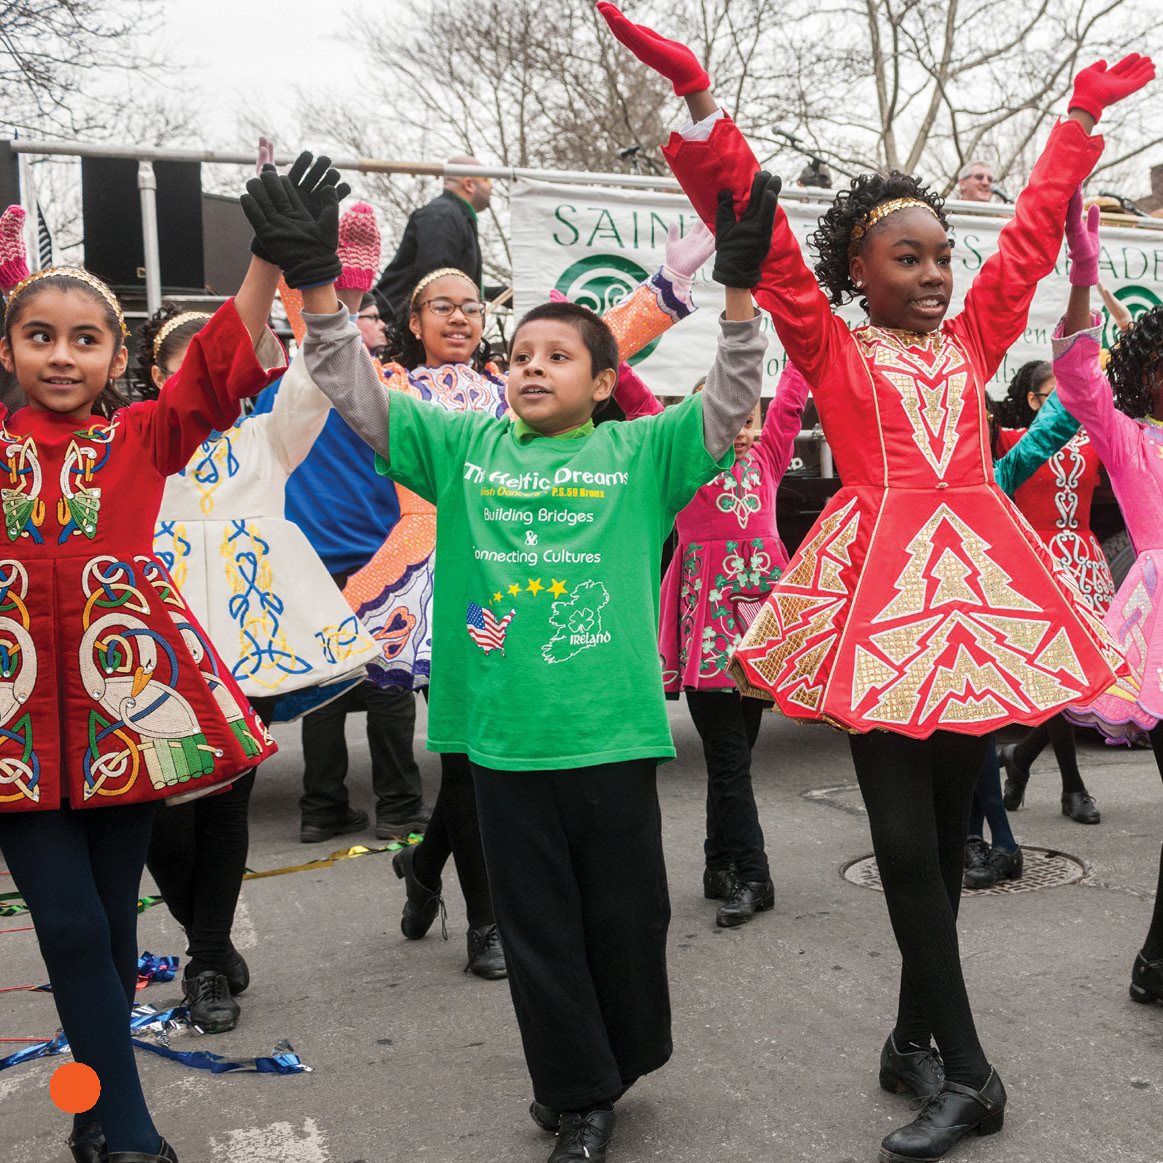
[
  {"x": 633, "y": 396},
  {"x": 1053, "y": 426},
  {"x": 998, "y": 302},
  {"x": 781, "y": 425}
]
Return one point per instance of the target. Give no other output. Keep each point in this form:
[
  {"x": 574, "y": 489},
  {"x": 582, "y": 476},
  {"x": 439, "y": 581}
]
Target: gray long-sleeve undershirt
[{"x": 341, "y": 366}]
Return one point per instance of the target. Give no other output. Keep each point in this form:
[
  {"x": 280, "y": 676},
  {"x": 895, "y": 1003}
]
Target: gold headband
[
  {"x": 432, "y": 276},
  {"x": 81, "y": 276},
  {"x": 172, "y": 325},
  {"x": 882, "y": 211}
]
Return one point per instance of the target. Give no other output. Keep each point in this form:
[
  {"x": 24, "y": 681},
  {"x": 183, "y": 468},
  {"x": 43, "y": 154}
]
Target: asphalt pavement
[{"x": 777, "y": 1025}]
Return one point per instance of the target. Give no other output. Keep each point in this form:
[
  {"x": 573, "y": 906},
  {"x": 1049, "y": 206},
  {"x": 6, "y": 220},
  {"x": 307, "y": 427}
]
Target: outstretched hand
[
  {"x": 359, "y": 248},
  {"x": 297, "y": 226},
  {"x": 742, "y": 243},
  {"x": 686, "y": 253},
  {"x": 309, "y": 176},
  {"x": 1097, "y": 88},
  {"x": 13, "y": 256},
  {"x": 1082, "y": 244},
  {"x": 677, "y": 63}
]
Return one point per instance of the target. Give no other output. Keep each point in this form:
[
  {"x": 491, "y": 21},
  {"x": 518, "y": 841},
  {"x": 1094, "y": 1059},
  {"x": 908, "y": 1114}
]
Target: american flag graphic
[{"x": 485, "y": 630}]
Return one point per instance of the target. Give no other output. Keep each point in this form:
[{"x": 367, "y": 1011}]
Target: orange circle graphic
[{"x": 75, "y": 1087}]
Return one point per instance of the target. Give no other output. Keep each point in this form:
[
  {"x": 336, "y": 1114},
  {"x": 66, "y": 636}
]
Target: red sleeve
[
  {"x": 219, "y": 370},
  {"x": 998, "y": 303},
  {"x": 781, "y": 425},
  {"x": 813, "y": 337},
  {"x": 633, "y": 396}
]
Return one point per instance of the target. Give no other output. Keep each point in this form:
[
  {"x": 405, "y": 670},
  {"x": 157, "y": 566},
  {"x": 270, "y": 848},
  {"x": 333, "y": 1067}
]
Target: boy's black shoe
[
  {"x": 583, "y": 1136},
  {"x": 717, "y": 883},
  {"x": 486, "y": 958},
  {"x": 212, "y": 1009},
  {"x": 747, "y": 898},
  {"x": 87, "y": 1144},
  {"x": 311, "y": 832},
  {"x": 1146, "y": 980},
  {"x": 945, "y": 1119},
  {"x": 545, "y": 1116},
  {"x": 918, "y": 1072}
]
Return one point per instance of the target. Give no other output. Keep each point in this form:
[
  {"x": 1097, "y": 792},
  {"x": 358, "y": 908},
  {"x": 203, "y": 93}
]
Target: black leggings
[
  {"x": 79, "y": 873},
  {"x": 918, "y": 793},
  {"x": 455, "y": 831},
  {"x": 198, "y": 856},
  {"x": 1153, "y": 946},
  {"x": 1058, "y": 732}
]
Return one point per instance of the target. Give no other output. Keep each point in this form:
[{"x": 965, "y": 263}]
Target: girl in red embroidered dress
[
  {"x": 918, "y": 604},
  {"x": 111, "y": 695}
]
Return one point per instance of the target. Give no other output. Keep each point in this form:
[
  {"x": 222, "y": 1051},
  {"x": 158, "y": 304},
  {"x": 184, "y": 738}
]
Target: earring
[{"x": 860, "y": 284}]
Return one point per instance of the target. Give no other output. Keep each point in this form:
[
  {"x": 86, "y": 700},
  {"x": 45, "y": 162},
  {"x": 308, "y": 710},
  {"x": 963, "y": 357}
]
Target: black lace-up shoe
[
  {"x": 976, "y": 852},
  {"x": 315, "y": 832},
  {"x": 486, "y": 958},
  {"x": 999, "y": 865},
  {"x": 423, "y": 903},
  {"x": 237, "y": 973},
  {"x": 583, "y": 1136},
  {"x": 544, "y": 1116},
  {"x": 717, "y": 883},
  {"x": 747, "y": 898},
  {"x": 945, "y": 1119},
  {"x": 1147, "y": 980},
  {"x": 87, "y": 1144},
  {"x": 212, "y": 1009},
  {"x": 918, "y": 1072},
  {"x": 1079, "y": 806},
  {"x": 1016, "y": 778},
  {"x": 166, "y": 1154}
]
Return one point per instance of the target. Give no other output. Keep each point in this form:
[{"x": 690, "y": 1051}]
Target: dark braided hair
[
  {"x": 1014, "y": 410},
  {"x": 1135, "y": 364},
  {"x": 141, "y": 378},
  {"x": 834, "y": 234}
]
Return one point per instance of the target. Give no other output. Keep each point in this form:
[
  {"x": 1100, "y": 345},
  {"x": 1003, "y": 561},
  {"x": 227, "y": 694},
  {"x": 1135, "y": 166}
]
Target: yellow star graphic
[
  {"x": 497, "y": 596},
  {"x": 535, "y": 587},
  {"x": 514, "y": 589},
  {"x": 557, "y": 589}
]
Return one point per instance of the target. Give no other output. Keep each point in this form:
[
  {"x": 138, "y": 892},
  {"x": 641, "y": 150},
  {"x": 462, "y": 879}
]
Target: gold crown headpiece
[
  {"x": 81, "y": 276},
  {"x": 171, "y": 325},
  {"x": 432, "y": 276},
  {"x": 880, "y": 212}
]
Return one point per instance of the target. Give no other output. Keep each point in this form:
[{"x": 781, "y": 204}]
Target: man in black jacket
[{"x": 441, "y": 234}]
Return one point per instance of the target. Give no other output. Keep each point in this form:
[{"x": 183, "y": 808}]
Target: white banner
[{"x": 595, "y": 244}]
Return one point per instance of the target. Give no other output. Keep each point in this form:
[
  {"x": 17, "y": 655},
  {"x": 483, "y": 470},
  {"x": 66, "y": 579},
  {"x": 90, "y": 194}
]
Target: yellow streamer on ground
[{"x": 327, "y": 861}]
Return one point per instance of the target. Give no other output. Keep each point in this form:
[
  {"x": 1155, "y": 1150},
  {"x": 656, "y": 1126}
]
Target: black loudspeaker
[
  {"x": 111, "y": 208},
  {"x": 9, "y": 175}
]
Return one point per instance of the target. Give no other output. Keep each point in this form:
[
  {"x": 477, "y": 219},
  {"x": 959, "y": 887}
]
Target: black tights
[
  {"x": 1058, "y": 732},
  {"x": 455, "y": 831},
  {"x": 1153, "y": 946},
  {"x": 918, "y": 792}
]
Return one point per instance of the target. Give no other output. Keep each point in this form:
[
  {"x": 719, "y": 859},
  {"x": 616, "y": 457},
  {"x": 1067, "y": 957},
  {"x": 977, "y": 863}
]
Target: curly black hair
[
  {"x": 1135, "y": 364},
  {"x": 850, "y": 207},
  {"x": 406, "y": 349},
  {"x": 140, "y": 377},
  {"x": 1014, "y": 410}
]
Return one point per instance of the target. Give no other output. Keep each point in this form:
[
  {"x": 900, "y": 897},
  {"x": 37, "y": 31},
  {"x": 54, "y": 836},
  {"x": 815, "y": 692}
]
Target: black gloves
[
  {"x": 742, "y": 244},
  {"x": 296, "y": 219}
]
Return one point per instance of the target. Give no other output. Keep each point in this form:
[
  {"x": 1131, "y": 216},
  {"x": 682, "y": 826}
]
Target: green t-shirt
[{"x": 545, "y": 620}]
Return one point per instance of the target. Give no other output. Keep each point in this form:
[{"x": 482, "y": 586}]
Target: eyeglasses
[
  {"x": 445, "y": 307},
  {"x": 371, "y": 318}
]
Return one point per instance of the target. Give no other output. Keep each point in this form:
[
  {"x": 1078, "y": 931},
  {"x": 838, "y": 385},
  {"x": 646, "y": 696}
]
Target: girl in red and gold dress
[
  {"x": 111, "y": 696},
  {"x": 918, "y": 614},
  {"x": 1056, "y": 502}
]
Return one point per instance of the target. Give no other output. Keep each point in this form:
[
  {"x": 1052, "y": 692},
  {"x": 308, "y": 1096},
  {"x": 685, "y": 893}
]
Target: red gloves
[
  {"x": 13, "y": 260},
  {"x": 674, "y": 61},
  {"x": 1097, "y": 87},
  {"x": 359, "y": 249}
]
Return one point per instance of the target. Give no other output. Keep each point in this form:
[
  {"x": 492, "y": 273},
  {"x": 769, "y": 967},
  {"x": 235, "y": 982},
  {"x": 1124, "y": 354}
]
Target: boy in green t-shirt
[{"x": 545, "y": 668}]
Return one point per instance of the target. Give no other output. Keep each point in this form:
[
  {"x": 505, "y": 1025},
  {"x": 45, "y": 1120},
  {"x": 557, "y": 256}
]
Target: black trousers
[
  {"x": 918, "y": 792},
  {"x": 728, "y": 724},
  {"x": 579, "y": 888},
  {"x": 391, "y": 725}
]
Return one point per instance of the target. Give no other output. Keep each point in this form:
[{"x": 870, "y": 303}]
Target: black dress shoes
[
  {"x": 212, "y": 1009},
  {"x": 423, "y": 903},
  {"x": 166, "y": 1154},
  {"x": 1147, "y": 980},
  {"x": 945, "y": 1119},
  {"x": 918, "y": 1072},
  {"x": 747, "y": 898},
  {"x": 316, "y": 831},
  {"x": 545, "y": 1116},
  {"x": 486, "y": 958},
  {"x": 87, "y": 1144},
  {"x": 583, "y": 1136},
  {"x": 717, "y": 883},
  {"x": 1079, "y": 806},
  {"x": 1016, "y": 778},
  {"x": 976, "y": 853},
  {"x": 999, "y": 865},
  {"x": 237, "y": 973}
]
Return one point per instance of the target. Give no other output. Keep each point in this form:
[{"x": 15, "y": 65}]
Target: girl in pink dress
[
  {"x": 1127, "y": 429},
  {"x": 729, "y": 555}
]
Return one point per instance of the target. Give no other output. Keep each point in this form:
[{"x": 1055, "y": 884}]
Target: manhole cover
[{"x": 1044, "y": 868}]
